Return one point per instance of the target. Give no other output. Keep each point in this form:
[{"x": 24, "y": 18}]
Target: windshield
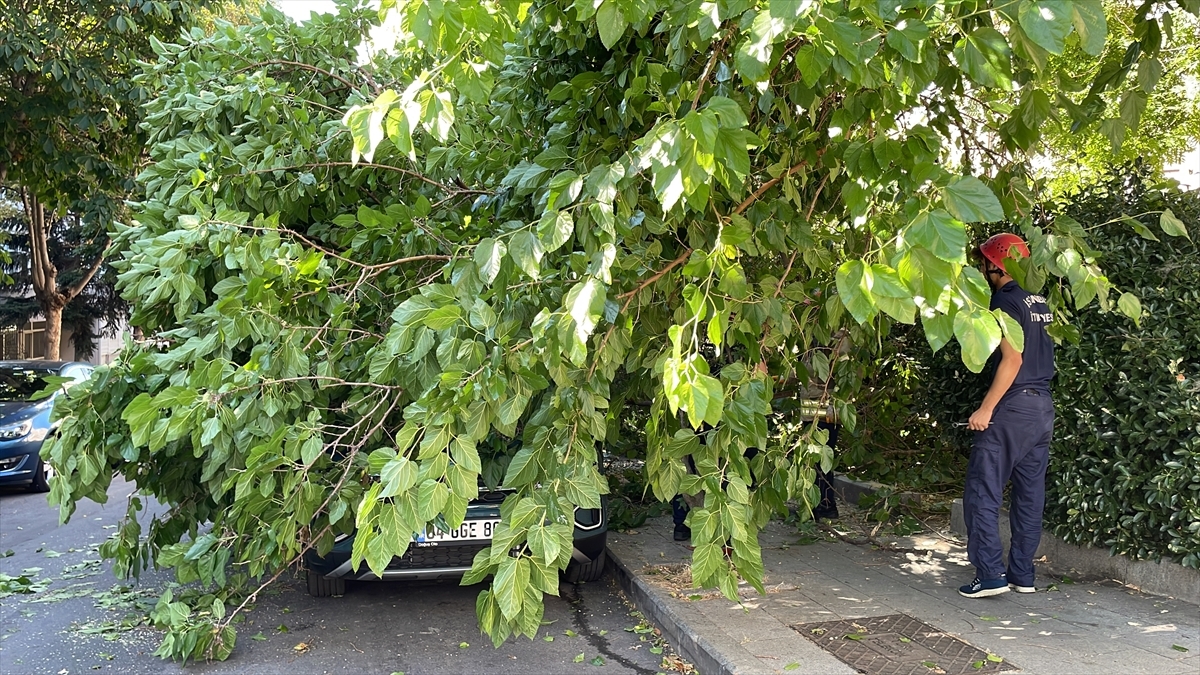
[{"x": 19, "y": 384}]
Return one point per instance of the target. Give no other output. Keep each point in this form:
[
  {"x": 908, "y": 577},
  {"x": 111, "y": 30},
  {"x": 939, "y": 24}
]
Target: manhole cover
[{"x": 899, "y": 645}]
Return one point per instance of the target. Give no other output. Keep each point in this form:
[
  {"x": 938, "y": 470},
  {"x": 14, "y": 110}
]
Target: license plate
[{"x": 470, "y": 530}]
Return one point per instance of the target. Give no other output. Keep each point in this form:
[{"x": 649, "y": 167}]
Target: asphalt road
[{"x": 73, "y": 625}]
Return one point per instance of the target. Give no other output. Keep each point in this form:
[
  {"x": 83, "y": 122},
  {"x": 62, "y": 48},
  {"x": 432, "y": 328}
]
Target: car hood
[{"x": 15, "y": 411}]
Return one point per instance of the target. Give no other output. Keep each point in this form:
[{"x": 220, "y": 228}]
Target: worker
[{"x": 1012, "y": 441}]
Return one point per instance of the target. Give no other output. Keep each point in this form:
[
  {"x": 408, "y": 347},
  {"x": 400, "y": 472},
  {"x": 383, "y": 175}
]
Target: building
[{"x": 28, "y": 341}]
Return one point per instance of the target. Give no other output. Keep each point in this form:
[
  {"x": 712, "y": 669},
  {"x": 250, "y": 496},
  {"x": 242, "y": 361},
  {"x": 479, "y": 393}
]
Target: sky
[{"x": 300, "y": 9}]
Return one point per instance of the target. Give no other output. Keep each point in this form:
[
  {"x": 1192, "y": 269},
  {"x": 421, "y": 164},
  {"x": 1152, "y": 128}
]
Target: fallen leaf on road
[
  {"x": 464, "y": 645},
  {"x": 579, "y": 658},
  {"x": 260, "y": 637},
  {"x": 791, "y": 666},
  {"x": 301, "y": 647}
]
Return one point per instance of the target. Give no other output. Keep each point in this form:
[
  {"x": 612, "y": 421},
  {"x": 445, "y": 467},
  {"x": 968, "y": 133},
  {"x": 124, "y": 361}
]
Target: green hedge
[{"x": 1125, "y": 463}]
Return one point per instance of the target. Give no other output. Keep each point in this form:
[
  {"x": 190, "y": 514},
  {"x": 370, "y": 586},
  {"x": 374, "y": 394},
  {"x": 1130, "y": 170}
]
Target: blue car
[{"x": 25, "y": 423}]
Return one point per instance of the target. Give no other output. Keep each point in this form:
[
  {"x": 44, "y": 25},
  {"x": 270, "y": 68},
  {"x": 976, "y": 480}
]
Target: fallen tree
[{"x": 365, "y": 285}]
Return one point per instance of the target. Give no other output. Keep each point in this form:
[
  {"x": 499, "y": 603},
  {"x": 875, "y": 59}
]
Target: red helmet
[{"x": 998, "y": 248}]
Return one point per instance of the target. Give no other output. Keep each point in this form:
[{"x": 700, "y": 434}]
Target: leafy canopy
[{"x": 371, "y": 286}]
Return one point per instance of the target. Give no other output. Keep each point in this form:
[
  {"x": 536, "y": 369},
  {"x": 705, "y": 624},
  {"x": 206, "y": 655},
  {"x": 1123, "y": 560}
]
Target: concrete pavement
[{"x": 1078, "y": 627}]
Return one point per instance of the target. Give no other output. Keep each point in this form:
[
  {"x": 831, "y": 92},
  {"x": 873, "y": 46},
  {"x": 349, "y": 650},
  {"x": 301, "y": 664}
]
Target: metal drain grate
[{"x": 898, "y": 644}]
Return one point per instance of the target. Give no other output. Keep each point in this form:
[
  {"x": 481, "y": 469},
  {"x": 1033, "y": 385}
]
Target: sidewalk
[{"x": 1081, "y": 627}]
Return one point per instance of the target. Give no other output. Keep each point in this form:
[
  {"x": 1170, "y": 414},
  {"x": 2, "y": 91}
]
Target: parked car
[
  {"x": 437, "y": 555},
  {"x": 25, "y": 423}
]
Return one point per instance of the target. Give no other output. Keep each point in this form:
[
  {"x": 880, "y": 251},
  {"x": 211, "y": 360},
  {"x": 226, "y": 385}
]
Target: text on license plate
[{"x": 470, "y": 530}]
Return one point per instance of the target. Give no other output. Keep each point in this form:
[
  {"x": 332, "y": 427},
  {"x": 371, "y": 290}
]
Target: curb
[{"x": 689, "y": 644}]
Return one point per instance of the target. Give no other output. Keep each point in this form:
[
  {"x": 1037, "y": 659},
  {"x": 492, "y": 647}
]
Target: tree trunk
[
  {"x": 53, "y": 332},
  {"x": 43, "y": 273}
]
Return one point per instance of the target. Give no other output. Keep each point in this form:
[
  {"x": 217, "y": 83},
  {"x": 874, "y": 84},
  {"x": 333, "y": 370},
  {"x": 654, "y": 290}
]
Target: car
[
  {"x": 442, "y": 555},
  {"x": 25, "y": 422}
]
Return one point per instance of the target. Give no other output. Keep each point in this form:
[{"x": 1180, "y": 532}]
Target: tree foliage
[
  {"x": 96, "y": 307},
  {"x": 69, "y": 115},
  {"x": 1134, "y": 126},
  {"x": 370, "y": 285}
]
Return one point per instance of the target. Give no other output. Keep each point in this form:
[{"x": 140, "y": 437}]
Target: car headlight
[{"x": 11, "y": 432}]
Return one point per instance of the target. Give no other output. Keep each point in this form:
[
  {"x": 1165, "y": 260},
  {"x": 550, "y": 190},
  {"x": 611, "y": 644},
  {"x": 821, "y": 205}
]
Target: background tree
[
  {"x": 367, "y": 286},
  {"x": 69, "y": 116},
  {"x": 97, "y": 311},
  {"x": 1081, "y": 150}
]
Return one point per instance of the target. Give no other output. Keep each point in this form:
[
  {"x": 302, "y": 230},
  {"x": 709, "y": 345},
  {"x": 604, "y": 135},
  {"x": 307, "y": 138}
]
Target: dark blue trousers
[{"x": 1016, "y": 446}]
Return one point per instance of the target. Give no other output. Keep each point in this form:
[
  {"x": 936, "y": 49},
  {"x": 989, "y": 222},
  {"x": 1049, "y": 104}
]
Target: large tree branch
[
  {"x": 629, "y": 296},
  {"x": 34, "y": 215},
  {"x": 302, "y": 66},
  {"x": 78, "y": 287},
  {"x": 767, "y": 186},
  {"x": 371, "y": 165}
]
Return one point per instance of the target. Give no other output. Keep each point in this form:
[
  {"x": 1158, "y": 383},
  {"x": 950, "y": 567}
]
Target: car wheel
[
  {"x": 41, "y": 478},
  {"x": 320, "y": 586},
  {"x": 584, "y": 572}
]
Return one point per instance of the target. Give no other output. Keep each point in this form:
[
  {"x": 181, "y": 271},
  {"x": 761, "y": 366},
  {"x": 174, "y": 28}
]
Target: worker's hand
[
  {"x": 761, "y": 367},
  {"x": 980, "y": 420}
]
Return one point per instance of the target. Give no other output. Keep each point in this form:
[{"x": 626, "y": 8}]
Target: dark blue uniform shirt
[{"x": 1037, "y": 361}]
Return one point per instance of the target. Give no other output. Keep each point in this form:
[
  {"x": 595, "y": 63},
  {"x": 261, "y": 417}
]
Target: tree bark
[{"x": 53, "y": 332}]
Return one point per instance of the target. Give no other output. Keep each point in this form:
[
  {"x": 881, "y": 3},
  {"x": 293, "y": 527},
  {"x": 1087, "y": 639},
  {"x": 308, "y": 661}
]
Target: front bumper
[
  {"x": 445, "y": 560},
  {"x": 19, "y": 461}
]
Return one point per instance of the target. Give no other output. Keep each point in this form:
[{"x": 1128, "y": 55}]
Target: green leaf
[
  {"x": 1172, "y": 225},
  {"x": 611, "y": 22},
  {"x": 578, "y": 658},
  {"x": 1091, "y": 24},
  {"x": 985, "y": 57},
  {"x": 979, "y": 334},
  {"x": 792, "y": 666},
  {"x": 1048, "y": 22},
  {"x": 1141, "y": 229},
  {"x": 1130, "y": 306},
  {"x": 854, "y": 281},
  {"x": 311, "y": 450},
  {"x": 443, "y": 317},
  {"x": 969, "y": 200},
  {"x": 994, "y": 659},
  {"x": 941, "y": 234},
  {"x": 907, "y": 37},
  {"x": 489, "y": 253},
  {"x": 585, "y": 303},
  {"x": 555, "y": 229},
  {"x": 398, "y": 476},
  {"x": 890, "y": 294},
  {"x": 526, "y": 251},
  {"x": 1011, "y": 329},
  {"x": 939, "y": 328}
]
